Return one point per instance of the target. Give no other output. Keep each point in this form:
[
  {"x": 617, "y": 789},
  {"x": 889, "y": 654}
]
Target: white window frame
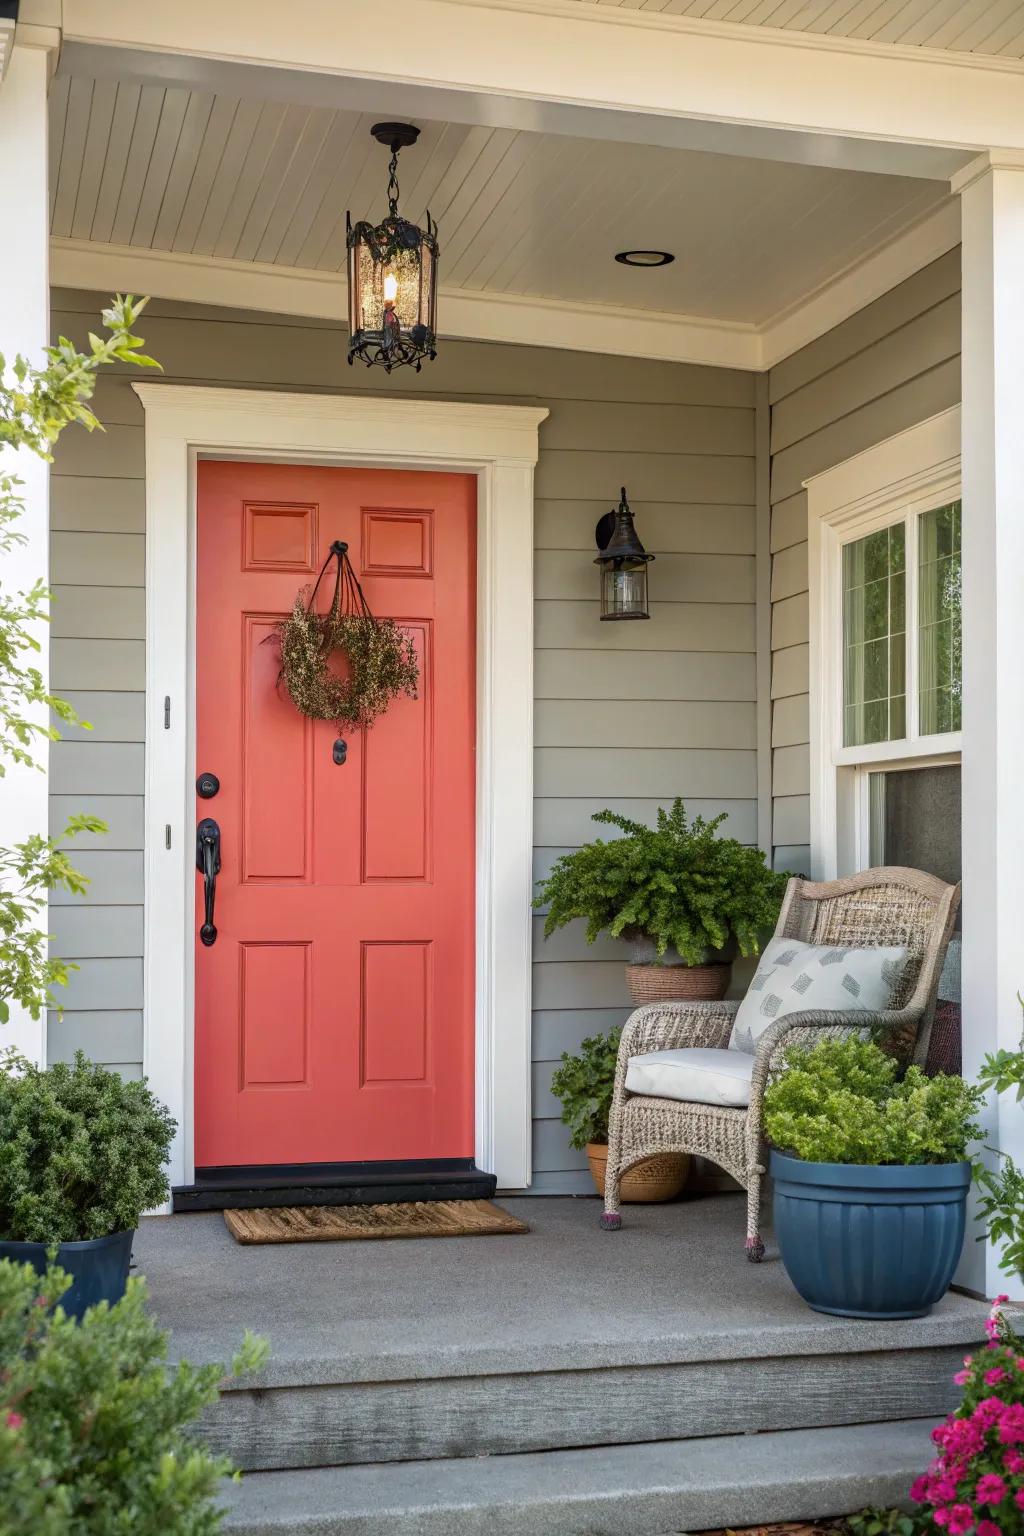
[{"x": 894, "y": 481}]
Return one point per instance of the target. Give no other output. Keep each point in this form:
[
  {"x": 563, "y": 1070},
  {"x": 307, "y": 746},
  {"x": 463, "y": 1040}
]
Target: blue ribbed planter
[
  {"x": 870, "y": 1242},
  {"x": 98, "y": 1267}
]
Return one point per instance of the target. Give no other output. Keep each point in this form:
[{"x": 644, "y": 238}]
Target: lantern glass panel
[{"x": 624, "y": 590}]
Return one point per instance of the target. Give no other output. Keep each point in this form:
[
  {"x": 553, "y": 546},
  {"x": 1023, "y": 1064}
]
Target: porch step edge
[
  {"x": 627, "y": 1490},
  {"x": 364, "y": 1186}
]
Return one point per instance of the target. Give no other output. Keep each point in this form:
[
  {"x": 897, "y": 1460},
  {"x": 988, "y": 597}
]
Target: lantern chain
[{"x": 393, "y": 183}]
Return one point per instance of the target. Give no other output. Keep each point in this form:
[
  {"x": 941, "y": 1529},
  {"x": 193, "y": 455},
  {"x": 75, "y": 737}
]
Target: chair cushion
[
  {"x": 698, "y": 1075},
  {"x": 793, "y": 977}
]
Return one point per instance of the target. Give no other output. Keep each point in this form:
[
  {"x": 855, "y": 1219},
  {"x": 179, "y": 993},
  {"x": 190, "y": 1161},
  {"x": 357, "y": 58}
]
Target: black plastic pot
[
  {"x": 98, "y": 1267},
  {"x": 863, "y": 1241}
]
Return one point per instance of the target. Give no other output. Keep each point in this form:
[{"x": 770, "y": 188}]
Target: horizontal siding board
[
  {"x": 552, "y": 1152},
  {"x": 108, "y": 716},
  {"x": 98, "y": 613},
  {"x": 893, "y": 309},
  {"x": 791, "y": 822},
  {"x": 790, "y": 671},
  {"x": 689, "y": 578},
  {"x": 893, "y": 412},
  {"x": 83, "y": 504},
  {"x": 118, "y": 452},
  {"x": 97, "y": 767},
  {"x": 98, "y": 559},
  {"x": 564, "y": 1029},
  {"x": 570, "y": 943},
  {"x": 121, "y": 814},
  {"x": 789, "y": 521},
  {"x": 561, "y": 822},
  {"x": 545, "y": 1105},
  {"x": 115, "y": 879},
  {"x": 593, "y": 674},
  {"x": 667, "y": 527},
  {"x": 790, "y": 621},
  {"x": 645, "y": 427},
  {"x": 99, "y": 984},
  {"x": 797, "y": 860},
  {"x": 654, "y": 477},
  {"x": 97, "y": 664},
  {"x": 791, "y": 771},
  {"x": 94, "y": 932},
  {"x": 109, "y": 1036},
  {"x": 580, "y": 984},
  {"x": 642, "y": 723},
  {"x": 673, "y": 626},
  {"x": 791, "y": 721},
  {"x": 789, "y": 572},
  {"x": 590, "y": 772}
]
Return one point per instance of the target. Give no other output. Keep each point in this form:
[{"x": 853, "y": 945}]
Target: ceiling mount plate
[{"x": 395, "y": 135}]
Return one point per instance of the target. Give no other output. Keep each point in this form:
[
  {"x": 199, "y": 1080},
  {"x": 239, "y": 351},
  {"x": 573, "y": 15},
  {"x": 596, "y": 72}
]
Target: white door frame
[{"x": 499, "y": 444}]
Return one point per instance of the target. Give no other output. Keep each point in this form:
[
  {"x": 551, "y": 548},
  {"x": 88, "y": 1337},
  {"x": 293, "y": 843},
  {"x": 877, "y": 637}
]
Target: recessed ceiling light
[{"x": 645, "y": 258}]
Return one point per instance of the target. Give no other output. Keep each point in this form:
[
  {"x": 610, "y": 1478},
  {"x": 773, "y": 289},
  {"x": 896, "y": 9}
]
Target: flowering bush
[{"x": 976, "y": 1483}]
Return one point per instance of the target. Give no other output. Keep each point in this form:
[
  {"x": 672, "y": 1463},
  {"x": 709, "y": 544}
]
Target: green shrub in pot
[
  {"x": 82, "y": 1156},
  {"x": 871, "y": 1177}
]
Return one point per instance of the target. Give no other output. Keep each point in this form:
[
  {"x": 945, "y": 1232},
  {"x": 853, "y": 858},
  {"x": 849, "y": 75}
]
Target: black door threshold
[{"x": 388, "y": 1183}]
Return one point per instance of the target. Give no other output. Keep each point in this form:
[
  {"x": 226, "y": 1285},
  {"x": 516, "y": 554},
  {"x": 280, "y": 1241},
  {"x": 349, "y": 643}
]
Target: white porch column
[
  {"x": 992, "y": 197},
  {"x": 24, "y": 327}
]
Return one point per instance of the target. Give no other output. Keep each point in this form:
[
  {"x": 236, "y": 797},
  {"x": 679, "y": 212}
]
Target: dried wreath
[{"x": 381, "y": 657}]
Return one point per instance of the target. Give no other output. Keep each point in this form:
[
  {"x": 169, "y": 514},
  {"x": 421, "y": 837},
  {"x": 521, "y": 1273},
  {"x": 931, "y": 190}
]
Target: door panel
[{"x": 335, "y": 1012}]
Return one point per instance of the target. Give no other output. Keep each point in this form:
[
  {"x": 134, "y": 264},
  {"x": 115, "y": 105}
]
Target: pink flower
[
  {"x": 1011, "y": 1429},
  {"x": 988, "y": 1528},
  {"x": 961, "y": 1519},
  {"x": 14, "y": 1420},
  {"x": 941, "y": 1516},
  {"x": 919, "y": 1489},
  {"x": 995, "y": 1376},
  {"x": 989, "y": 1410},
  {"x": 999, "y": 1301},
  {"x": 962, "y": 1378},
  {"x": 991, "y": 1489},
  {"x": 942, "y": 1491},
  {"x": 1013, "y": 1461},
  {"x": 1018, "y": 1498}
]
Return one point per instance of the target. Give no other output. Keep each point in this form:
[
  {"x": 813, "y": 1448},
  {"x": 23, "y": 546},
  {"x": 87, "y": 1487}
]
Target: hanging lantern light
[
  {"x": 392, "y": 276},
  {"x": 623, "y": 561}
]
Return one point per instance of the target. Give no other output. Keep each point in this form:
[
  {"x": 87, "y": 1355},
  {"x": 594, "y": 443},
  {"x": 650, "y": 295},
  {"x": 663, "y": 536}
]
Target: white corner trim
[
  {"x": 841, "y": 297},
  {"x": 989, "y": 160},
  {"x": 515, "y": 318},
  {"x": 497, "y": 443},
  {"x": 894, "y": 478}
]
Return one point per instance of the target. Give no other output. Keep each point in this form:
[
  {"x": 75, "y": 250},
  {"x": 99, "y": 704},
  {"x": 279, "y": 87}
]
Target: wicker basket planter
[
  {"x": 673, "y": 983},
  {"x": 656, "y": 1178}
]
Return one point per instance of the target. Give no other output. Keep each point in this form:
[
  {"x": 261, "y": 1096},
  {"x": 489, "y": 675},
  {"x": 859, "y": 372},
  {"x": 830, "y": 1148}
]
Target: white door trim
[
  {"x": 499, "y": 444},
  {"x": 910, "y": 472}
]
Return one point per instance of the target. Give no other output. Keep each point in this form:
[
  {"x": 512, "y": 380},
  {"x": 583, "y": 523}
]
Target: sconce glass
[{"x": 623, "y": 561}]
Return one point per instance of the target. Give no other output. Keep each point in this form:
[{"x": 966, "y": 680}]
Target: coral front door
[{"x": 335, "y": 1009}]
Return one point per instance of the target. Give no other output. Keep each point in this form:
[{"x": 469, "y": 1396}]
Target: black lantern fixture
[
  {"x": 623, "y": 561},
  {"x": 392, "y": 276}
]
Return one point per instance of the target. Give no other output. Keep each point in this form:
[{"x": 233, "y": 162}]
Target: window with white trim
[{"x": 884, "y": 547}]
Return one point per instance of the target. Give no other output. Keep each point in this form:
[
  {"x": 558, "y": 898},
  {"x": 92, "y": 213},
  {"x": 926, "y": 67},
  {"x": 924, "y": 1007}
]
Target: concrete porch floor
[{"x": 672, "y": 1286}]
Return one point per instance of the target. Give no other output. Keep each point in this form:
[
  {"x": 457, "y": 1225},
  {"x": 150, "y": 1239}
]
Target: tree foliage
[
  {"x": 677, "y": 884},
  {"x": 94, "y": 1425},
  {"x": 36, "y": 404},
  {"x": 842, "y": 1101},
  {"x": 83, "y": 1151}
]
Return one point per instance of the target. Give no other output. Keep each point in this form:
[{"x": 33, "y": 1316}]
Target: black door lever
[{"x": 208, "y": 864}]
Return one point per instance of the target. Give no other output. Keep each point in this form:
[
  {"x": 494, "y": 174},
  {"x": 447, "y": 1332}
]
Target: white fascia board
[
  {"x": 6, "y": 44},
  {"x": 601, "y": 58},
  {"x": 464, "y": 314}
]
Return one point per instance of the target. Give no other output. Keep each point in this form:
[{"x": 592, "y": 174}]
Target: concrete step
[
  {"x": 517, "y": 1398},
  {"x": 635, "y": 1490}
]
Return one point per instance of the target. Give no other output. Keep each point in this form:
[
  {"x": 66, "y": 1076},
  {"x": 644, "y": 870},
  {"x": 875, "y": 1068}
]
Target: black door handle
[{"x": 208, "y": 864}]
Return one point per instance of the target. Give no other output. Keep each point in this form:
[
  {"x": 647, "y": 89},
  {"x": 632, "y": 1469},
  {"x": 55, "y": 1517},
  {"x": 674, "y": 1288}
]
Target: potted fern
[
  {"x": 583, "y": 1082},
  {"x": 685, "y": 899}
]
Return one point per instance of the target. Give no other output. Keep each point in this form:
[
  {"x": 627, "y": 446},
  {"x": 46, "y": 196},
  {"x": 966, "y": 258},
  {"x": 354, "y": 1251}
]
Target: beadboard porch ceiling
[{"x": 152, "y": 169}]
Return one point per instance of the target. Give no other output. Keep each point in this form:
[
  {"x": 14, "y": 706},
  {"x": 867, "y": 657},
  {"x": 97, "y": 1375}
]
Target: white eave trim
[
  {"x": 6, "y": 44},
  {"x": 513, "y": 318}
]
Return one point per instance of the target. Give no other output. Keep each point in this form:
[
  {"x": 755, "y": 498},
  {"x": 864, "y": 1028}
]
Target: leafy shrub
[
  {"x": 584, "y": 1084},
  {"x": 92, "y": 1422},
  {"x": 82, "y": 1152},
  {"x": 675, "y": 884},
  {"x": 842, "y": 1101},
  {"x": 977, "y": 1480},
  {"x": 1001, "y": 1208}
]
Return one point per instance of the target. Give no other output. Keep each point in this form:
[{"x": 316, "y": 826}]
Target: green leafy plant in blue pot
[
  {"x": 871, "y": 1177},
  {"x": 82, "y": 1156}
]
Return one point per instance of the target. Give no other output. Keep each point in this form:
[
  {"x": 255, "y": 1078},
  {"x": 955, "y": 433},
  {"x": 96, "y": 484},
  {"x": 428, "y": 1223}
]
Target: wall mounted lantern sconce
[
  {"x": 623, "y": 561},
  {"x": 392, "y": 276}
]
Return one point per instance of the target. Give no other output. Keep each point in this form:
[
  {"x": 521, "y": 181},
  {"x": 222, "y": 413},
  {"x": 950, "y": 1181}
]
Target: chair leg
[
  {"x": 611, "y": 1220},
  {"x": 755, "y": 1246}
]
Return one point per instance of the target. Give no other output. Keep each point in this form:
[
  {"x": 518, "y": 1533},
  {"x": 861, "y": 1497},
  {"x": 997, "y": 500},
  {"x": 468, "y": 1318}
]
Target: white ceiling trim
[
  {"x": 6, "y": 44},
  {"x": 513, "y": 318}
]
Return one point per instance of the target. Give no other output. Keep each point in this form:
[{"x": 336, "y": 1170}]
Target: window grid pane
[
  {"x": 938, "y": 618},
  {"x": 874, "y": 637}
]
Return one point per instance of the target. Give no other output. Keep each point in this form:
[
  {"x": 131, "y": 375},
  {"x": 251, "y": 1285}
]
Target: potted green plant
[
  {"x": 871, "y": 1177},
  {"x": 584, "y": 1082},
  {"x": 685, "y": 898},
  {"x": 82, "y": 1155}
]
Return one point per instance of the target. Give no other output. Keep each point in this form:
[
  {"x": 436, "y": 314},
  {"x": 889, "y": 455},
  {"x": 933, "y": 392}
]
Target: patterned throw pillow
[{"x": 792, "y": 977}]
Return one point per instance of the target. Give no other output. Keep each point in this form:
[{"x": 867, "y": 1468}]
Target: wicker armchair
[{"x": 881, "y": 906}]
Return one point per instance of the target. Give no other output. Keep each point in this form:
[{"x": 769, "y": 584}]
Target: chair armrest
[{"x": 671, "y": 1026}]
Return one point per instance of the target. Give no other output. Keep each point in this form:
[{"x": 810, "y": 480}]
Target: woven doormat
[{"x": 347, "y": 1223}]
